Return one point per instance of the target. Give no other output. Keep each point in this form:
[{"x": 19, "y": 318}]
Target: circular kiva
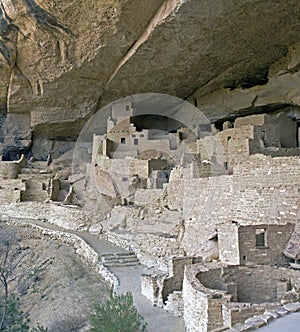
[{"x": 128, "y": 149}]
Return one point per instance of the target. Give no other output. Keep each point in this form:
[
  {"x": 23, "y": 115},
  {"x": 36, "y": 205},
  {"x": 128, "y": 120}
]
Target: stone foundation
[{"x": 207, "y": 297}]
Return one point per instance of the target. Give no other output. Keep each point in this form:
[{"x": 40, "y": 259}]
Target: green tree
[{"x": 117, "y": 314}]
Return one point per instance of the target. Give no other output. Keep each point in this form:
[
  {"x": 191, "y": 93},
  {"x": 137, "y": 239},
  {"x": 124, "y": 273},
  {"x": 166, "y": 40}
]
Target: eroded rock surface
[{"x": 62, "y": 61}]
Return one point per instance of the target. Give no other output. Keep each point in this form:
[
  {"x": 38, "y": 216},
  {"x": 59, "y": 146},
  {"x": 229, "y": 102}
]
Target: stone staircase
[{"x": 120, "y": 259}]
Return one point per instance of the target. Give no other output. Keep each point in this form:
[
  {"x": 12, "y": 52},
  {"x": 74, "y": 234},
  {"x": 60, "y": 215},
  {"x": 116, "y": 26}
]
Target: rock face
[{"x": 61, "y": 61}]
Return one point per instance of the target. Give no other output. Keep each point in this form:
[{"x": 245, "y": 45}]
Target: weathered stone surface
[
  {"x": 96, "y": 229},
  {"x": 256, "y": 321},
  {"x": 292, "y": 307},
  {"x": 69, "y": 218},
  {"x": 51, "y": 52}
]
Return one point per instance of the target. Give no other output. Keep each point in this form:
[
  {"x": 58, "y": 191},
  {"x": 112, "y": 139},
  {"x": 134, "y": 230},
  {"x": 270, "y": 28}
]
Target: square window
[{"x": 135, "y": 141}]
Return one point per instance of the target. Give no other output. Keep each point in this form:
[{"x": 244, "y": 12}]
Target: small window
[
  {"x": 228, "y": 138},
  {"x": 226, "y": 165},
  {"x": 135, "y": 141},
  {"x": 260, "y": 237},
  {"x": 123, "y": 140},
  {"x": 244, "y": 258},
  {"x": 142, "y": 135},
  {"x": 263, "y": 135},
  {"x": 133, "y": 135},
  {"x": 127, "y": 108}
]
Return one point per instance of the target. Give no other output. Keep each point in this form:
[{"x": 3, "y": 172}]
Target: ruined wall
[
  {"x": 202, "y": 306},
  {"x": 234, "y": 313},
  {"x": 228, "y": 241},
  {"x": 261, "y": 190},
  {"x": 175, "y": 189},
  {"x": 259, "y": 284},
  {"x": 267, "y": 189},
  {"x": 195, "y": 308},
  {"x": 147, "y": 196},
  {"x": 9, "y": 169},
  {"x": 37, "y": 187},
  {"x": 11, "y": 190},
  {"x": 206, "y": 202},
  {"x": 238, "y": 244},
  {"x": 126, "y": 167},
  {"x": 207, "y": 305},
  {"x": 276, "y": 238}
]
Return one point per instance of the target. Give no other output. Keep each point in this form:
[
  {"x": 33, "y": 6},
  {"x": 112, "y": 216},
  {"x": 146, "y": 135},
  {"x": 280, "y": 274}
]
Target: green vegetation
[
  {"x": 117, "y": 314},
  {"x": 15, "y": 277}
]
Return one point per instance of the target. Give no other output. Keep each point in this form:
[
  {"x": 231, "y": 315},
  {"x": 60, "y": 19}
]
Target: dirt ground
[{"x": 65, "y": 288}]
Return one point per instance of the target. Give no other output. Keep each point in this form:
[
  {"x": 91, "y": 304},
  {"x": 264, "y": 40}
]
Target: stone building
[
  {"x": 127, "y": 161},
  {"x": 254, "y": 228},
  {"x": 268, "y": 134},
  {"x": 252, "y": 244}
]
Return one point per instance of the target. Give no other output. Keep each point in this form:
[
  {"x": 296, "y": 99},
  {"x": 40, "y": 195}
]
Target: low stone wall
[
  {"x": 150, "y": 287},
  {"x": 207, "y": 299},
  {"x": 202, "y": 306},
  {"x": 151, "y": 250},
  {"x": 234, "y": 313},
  {"x": 9, "y": 169},
  {"x": 81, "y": 248},
  {"x": 175, "y": 304},
  {"x": 161, "y": 288},
  {"x": 68, "y": 217},
  {"x": 11, "y": 190}
]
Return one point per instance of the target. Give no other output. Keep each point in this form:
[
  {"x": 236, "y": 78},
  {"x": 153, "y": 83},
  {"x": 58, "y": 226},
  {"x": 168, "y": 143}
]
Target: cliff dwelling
[{"x": 154, "y": 146}]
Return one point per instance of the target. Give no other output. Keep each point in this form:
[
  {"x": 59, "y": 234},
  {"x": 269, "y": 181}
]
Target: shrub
[
  {"x": 117, "y": 314},
  {"x": 39, "y": 328},
  {"x": 15, "y": 319}
]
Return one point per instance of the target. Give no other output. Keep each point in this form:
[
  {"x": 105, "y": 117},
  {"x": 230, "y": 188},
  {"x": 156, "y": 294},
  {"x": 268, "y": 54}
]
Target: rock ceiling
[{"x": 63, "y": 60}]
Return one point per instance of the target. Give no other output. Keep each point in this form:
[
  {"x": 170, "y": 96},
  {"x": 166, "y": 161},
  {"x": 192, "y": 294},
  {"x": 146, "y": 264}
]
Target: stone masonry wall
[
  {"x": 202, "y": 306},
  {"x": 259, "y": 284},
  {"x": 9, "y": 169},
  {"x": 277, "y": 237},
  {"x": 81, "y": 248},
  {"x": 10, "y": 190},
  {"x": 237, "y": 244},
  {"x": 207, "y": 307},
  {"x": 261, "y": 190}
]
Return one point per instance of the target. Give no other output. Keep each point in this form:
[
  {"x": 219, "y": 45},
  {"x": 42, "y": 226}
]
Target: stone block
[{"x": 292, "y": 307}]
